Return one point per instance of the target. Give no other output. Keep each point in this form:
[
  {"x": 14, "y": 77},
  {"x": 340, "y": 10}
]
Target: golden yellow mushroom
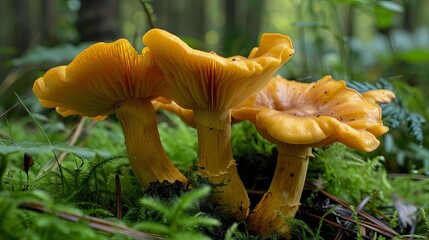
[
  {"x": 380, "y": 95},
  {"x": 211, "y": 85},
  {"x": 111, "y": 78},
  {"x": 296, "y": 117}
]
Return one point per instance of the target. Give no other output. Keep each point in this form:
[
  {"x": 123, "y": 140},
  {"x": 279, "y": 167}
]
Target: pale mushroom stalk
[
  {"x": 145, "y": 151},
  {"x": 283, "y": 196},
  {"x": 215, "y": 152},
  {"x": 216, "y": 161},
  {"x": 214, "y": 135}
]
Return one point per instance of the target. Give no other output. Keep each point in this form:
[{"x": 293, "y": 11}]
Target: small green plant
[
  {"x": 245, "y": 132},
  {"x": 180, "y": 141},
  {"x": 356, "y": 218},
  {"x": 393, "y": 223},
  {"x": 348, "y": 175},
  {"x": 3, "y": 166},
  {"x": 301, "y": 229},
  {"x": 16, "y": 223},
  {"x": 425, "y": 220},
  {"x": 176, "y": 220}
]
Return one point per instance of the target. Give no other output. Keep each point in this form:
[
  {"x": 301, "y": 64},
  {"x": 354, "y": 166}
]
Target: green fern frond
[
  {"x": 154, "y": 227},
  {"x": 393, "y": 222},
  {"x": 348, "y": 175},
  {"x": 425, "y": 218},
  {"x": 415, "y": 122},
  {"x": 176, "y": 218},
  {"x": 231, "y": 231},
  {"x": 179, "y": 141},
  {"x": 156, "y": 205},
  {"x": 357, "y": 222},
  {"x": 300, "y": 229},
  {"x": 16, "y": 223},
  {"x": 245, "y": 132},
  {"x": 188, "y": 235},
  {"x": 190, "y": 200},
  {"x": 319, "y": 228},
  {"x": 200, "y": 220}
]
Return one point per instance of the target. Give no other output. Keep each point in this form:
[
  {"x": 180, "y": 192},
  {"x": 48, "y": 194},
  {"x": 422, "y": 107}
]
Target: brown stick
[{"x": 96, "y": 223}]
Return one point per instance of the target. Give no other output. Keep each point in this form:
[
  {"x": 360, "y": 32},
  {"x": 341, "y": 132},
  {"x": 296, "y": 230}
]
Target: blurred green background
[{"x": 355, "y": 40}]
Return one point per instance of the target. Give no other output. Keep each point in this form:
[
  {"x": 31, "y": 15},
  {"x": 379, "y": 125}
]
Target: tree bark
[
  {"x": 22, "y": 25},
  {"x": 242, "y": 25},
  {"x": 47, "y": 24}
]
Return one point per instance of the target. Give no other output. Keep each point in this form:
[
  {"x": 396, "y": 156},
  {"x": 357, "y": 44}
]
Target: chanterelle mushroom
[
  {"x": 298, "y": 116},
  {"x": 113, "y": 78},
  {"x": 210, "y": 85}
]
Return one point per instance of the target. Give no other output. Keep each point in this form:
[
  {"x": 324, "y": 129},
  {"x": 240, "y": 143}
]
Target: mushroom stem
[
  {"x": 216, "y": 161},
  {"x": 147, "y": 157},
  {"x": 283, "y": 196}
]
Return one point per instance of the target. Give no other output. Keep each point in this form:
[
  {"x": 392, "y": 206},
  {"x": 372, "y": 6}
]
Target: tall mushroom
[
  {"x": 297, "y": 117},
  {"x": 113, "y": 78},
  {"x": 211, "y": 85}
]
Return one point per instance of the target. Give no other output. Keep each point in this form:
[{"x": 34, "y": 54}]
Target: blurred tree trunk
[
  {"x": 350, "y": 34},
  {"x": 255, "y": 8},
  {"x": 412, "y": 13},
  {"x": 22, "y": 33},
  {"x": 242, "y": 25},
  {"x": 48, "y": 8},
  {"x": 350, "y": 21},
  {"x": 98, "y": 20},
  {"x": 198, "y": 10},
  {"x": 182, "y": 18},
  {"x": 190, "y": 18}
]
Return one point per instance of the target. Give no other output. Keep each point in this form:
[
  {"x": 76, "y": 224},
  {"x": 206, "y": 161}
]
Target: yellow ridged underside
[
  {"x": 99, "y": 77},
  {"x": 204, "y": 80}
]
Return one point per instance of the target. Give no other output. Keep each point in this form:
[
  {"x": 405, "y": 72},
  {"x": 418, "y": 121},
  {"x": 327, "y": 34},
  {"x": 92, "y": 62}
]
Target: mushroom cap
[
  {"x": 314, "y": 114},
  {"x": 98, "y": 78},
  {"x": 379, "y": 95},
  {"x": 203, "y": 80}
]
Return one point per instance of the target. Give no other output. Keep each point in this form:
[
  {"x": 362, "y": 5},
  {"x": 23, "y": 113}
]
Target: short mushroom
[
  {"x": 113, "y": 78},
  {"x": 297, "y": 117},
  {"x": 211, "y": 85}
]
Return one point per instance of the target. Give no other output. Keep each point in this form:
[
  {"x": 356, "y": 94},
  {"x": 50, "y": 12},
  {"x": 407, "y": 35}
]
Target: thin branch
[
  {"x": 361, "y": 213},
  {"x": 96, "y": 223},
  {"x": 46, "y": 137},
  {"x": 72, "y": 139},
  {"x": 148, "y": 14},
  {"x": 333, "y": 224}
]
